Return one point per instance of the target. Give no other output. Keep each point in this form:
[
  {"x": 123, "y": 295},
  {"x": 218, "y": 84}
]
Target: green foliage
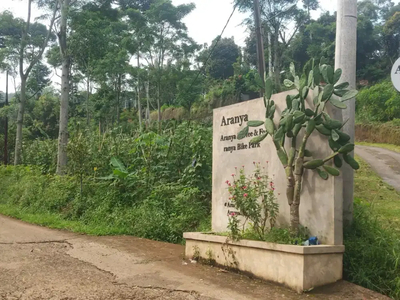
[
  {"x": 255, "y": 200},
  {"x": 43, "y": 154},
  {"x": 380, "y": 102},
  {"x": 159, "y": 188},
  {"x": 372, "y": 253},
  {"x": 231, "y": 90},
  {"x": 169, "y": 211},
  {"x": 224, "y": 55},
  {"x": 234, "y": 231},
  {"x": 297, "y": 116}
]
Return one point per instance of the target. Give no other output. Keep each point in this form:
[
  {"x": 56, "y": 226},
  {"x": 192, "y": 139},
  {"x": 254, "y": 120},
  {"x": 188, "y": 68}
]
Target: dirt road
[
  {"x": 39, "y": 263},
  {"x": 384, "y": 162}
]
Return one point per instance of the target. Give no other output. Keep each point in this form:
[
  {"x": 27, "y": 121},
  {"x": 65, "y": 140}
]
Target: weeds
[
  {"x": 162, "y": 189},
  {"x": 372, "y": 253}
]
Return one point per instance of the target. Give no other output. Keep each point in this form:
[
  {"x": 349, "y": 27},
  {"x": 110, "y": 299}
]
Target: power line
[
  {"x": 213, "y": 48},
  {"x": 220, "y": 37}
]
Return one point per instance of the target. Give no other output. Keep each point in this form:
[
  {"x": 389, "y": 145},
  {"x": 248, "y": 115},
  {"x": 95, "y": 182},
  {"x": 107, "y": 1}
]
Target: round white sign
[{"x": 395, "y": 74}]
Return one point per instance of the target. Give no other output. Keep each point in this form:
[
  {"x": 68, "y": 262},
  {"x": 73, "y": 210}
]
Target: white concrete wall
[
  {"x": 321, "y": 201},
  {"x": 300, "y": 268}
]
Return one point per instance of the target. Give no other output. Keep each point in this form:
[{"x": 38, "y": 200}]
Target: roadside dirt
[
  {"x": 39, "y": 263},
  {"x": 384, "y": 162}
]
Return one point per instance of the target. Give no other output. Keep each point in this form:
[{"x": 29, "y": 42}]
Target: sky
[{"x": 204, "y": 23}]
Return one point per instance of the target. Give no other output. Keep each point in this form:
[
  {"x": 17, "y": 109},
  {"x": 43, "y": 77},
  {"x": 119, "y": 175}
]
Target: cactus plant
[{"x": 298, "y": 120}]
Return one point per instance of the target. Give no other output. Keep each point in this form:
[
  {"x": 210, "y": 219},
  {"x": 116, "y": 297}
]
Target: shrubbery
[
  {"x": 158, "y": 186},
  {"x": 380, "y": 102},
  {"x": 372, "y": 256},
  {"x": 163, "y": 189}
]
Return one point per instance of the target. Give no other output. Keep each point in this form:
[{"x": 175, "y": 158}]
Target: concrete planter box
[{"x": 298, "y": 267}]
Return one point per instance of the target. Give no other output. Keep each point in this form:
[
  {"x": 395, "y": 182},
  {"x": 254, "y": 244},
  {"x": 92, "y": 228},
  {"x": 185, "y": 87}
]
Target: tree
[
  {"x": 65, "y": 87},
  {"x": 166, "y": 40},
  {"x": 391, "y": 32},
  {"x": 224, "y": 55},
  {"x": 277, "y": 17},
  {"x": 95, "y": 28},
  {"x": 38, "y": 80},
  {"x": 26, "y": 43},
  {"x": 316, "y": 39}
]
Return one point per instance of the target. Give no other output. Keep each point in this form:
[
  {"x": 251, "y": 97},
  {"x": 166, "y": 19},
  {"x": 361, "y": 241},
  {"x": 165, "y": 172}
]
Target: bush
[
  {"x": 372, "y": 253},
  {"x": 255, "y": 199},
  {"x": 380, "y": 102},
  {"x": 159, "y": 187},
  {"x": 41, "y": 153},
  {"x": 164, "y": 215}
]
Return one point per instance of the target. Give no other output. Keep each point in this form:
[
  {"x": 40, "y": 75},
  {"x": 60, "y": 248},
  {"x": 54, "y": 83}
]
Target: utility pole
[
  {"x": 6, "y": 126},
  {"x": 345, "y": 58},
  {"x": 260, "y": 44}
]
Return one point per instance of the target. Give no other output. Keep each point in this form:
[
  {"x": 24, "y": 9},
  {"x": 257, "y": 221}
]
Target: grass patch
[
  {"x": 54, "y": 221},
  {"x": 275, "y": 235},
  {"x": 101, "y": 208},
  {"x": 383, "y": 199},
  {"x": 386, "y": 133},
  {"x": 391, "y": 147},
  {"x": 372, "y": 253},
  {"x": 372, "y": 242}
]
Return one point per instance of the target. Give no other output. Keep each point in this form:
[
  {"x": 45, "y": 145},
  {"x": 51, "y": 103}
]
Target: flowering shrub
[{"x": 255, "y": 201}]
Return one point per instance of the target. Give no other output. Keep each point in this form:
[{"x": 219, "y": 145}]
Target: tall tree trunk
[
  {"x": 6, "y": 126},
  {"x": 276, "y": 60},
  {"x": 24, "y": 74},
  {"x": 87, "y": 100},
  {"x": 159, "y": 106},
  {"x": 22, "y": 98},
  {"x": 63, "y": 130},
  {"x": 148, "y": 102},
  {"x": 138, "y": 94},
  {"x": 65, "y": 86},
  {"x": 20, "y": 122},
  {"x": 118, "y": 97}
]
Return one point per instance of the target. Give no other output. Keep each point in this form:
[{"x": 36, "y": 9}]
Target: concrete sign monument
[
  {"x": 321, "y": 210},
  {"x": 395, "y": 75}
]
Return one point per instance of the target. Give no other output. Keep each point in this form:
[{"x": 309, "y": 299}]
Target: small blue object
[{"x": 313, "y": 240}]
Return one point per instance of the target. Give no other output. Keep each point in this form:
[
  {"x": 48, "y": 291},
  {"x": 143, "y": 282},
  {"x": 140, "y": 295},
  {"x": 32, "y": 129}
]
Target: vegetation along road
[
  {"x": 385, "y": 162},
  {"x": 40, "y": 263}
]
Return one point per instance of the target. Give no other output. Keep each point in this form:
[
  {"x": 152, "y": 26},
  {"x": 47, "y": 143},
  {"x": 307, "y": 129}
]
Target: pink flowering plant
[{"x": 254, "y": 200}]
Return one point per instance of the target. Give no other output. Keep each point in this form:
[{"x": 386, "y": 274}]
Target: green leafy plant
[
  {"x": 372, "y": 252},
  {"x": 298, "y": 121},
  {"x": 234, "y": 227},
  {"x": 255, "y": 199}
]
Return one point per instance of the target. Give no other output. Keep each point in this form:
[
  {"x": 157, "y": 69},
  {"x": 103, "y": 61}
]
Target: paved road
[
  {"x": 39, "y": 263},
  {"x": 384, "y": 162}
]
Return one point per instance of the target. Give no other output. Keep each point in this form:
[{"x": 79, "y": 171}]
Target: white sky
[{"x": 204, "y": 23}]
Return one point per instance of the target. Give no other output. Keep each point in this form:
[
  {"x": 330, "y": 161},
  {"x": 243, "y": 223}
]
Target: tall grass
[
  {"x": 372, "y": 256},
  {"x": 387, "y": 133}
]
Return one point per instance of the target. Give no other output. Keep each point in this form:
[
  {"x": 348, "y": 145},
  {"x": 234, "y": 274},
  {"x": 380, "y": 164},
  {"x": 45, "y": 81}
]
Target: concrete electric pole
[
  {"x": 260, "y": 44},
  {"x": 345, "y": 58}
]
